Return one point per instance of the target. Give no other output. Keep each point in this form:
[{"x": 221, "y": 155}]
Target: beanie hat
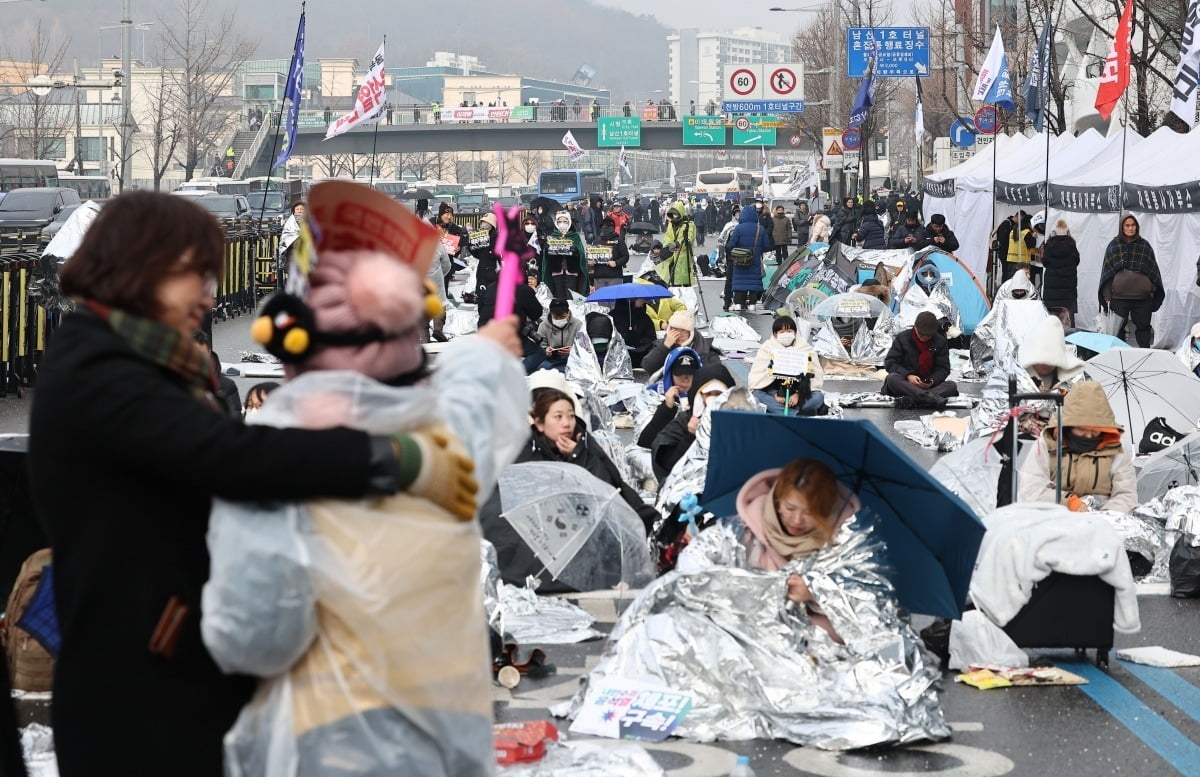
[
  {"x": 937, "y": 218},
  {"x": 926, "y": 324},
  {"x": 559, "y": 306},
  {"x": 682, "y": 319},
  {"x": 444, "y": 207}
]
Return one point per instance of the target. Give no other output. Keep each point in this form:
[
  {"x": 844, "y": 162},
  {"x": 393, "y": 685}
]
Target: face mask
[
  {"x": 786, "y": 338},
  {"x": 250, "y": 411},
  {"x": 560, "y": 323},
  {"x": 601, "y": 345},
  {"x": 1077, "y": 444},
  {"x": 563, "y": 226},
  {"x": 530, "y": 228},
  {"x": 1196, "y": 345}
]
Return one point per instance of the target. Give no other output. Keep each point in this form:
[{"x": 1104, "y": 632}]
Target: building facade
[{"x": 696, "y": 59}]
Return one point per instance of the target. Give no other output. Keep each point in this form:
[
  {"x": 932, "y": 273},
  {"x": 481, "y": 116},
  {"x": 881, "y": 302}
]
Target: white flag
[
  {"x": 994, "y": 84},
  {"x": 617, "y": 180},
  {"x": 623, "y": 161},
  {"x": 1187, "y": 75},
  {"x": 919, "y": 123},
  {"x": 805, "y": 176},
  {"x": 766, "y": 184},
  {"x": 369, "y": 105},
  {"x": 575, "y": 152},
  {"x": 671, "y": 182}
]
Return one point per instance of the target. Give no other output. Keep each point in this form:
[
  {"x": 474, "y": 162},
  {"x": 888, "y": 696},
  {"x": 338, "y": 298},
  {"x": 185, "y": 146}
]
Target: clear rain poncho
[
  {"x": 365, "y": 617},
  {"x": 759, "y": 668}
]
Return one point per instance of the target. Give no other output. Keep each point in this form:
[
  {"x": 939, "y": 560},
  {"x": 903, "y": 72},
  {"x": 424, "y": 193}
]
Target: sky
[{"x": 728, "y": 14}]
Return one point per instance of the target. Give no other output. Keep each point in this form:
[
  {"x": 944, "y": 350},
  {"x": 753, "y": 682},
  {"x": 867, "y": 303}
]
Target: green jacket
[{"x": 679, "y": 269}]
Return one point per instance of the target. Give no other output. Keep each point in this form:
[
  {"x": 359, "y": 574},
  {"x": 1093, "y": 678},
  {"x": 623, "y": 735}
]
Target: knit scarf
[
  {"x": 789, "y": 546},
  {"x": 924, "y": 356},
  {"x": 165, "y": 347}
]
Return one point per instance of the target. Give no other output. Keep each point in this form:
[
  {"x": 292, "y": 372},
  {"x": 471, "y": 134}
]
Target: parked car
[
  {"x": 225, "y": 206},
  {"x": 51, "y": 229},
  {"x": 36, "y": 207},
  {"x": 269, "y": 204}
]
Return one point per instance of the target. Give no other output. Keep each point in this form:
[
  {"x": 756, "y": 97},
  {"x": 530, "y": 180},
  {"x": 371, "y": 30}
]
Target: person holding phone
[
  {"x": 557, "y": 335},
  {"x": 918, "y": 365}
]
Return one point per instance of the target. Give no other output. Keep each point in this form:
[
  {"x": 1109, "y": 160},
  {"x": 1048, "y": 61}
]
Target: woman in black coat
[
  {"x": 127, "y": 450},
  {"x": 633, "y": 323},
  {"x": 1060, "y": 278}
]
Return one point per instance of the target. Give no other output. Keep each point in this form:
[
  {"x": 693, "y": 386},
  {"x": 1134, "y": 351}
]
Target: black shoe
[
  {"x": 904, "y": 403},
  {"x": 440, "y": 337},
  {"x": 935, "y": 402}
]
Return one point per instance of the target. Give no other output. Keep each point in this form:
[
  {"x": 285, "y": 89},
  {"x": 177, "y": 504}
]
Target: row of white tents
[{"x": 1162, "y": 189}]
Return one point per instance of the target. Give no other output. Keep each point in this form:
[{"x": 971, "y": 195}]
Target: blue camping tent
[{"x": 966, "y": 290}]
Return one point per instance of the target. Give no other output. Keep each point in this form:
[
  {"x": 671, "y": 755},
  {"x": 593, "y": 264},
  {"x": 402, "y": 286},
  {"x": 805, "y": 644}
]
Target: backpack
[{"x": 30, "y": 666}]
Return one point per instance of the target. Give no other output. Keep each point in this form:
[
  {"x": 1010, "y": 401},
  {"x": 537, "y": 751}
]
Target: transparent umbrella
[
  {"x": 1178, "y": 465},
  {"x": 850, "y": 305},
  {"x": 576, "y": 524}
]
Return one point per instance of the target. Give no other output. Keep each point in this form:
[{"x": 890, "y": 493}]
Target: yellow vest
[{"x": 1017, "y": 250}]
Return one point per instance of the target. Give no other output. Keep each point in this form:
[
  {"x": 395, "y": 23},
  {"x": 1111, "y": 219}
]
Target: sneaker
[{"x": 752, "y": 307}]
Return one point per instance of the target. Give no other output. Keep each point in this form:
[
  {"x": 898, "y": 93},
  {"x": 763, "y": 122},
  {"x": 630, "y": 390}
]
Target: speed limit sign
[
  {"x": 795, "y": 140},
  {"x": 742, "y": 123},
  {"x": 743, "y": 82}
]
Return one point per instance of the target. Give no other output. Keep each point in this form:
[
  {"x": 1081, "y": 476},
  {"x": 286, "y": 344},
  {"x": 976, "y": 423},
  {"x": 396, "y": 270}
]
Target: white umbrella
[
  {"x": 1143, "y": 384},
  {"x": 1177, "y": 465}
]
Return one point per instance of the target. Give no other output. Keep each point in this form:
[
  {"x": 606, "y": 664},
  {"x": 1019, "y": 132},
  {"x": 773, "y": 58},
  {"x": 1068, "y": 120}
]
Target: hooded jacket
[
  {"x": 1046, "y": 345},
  {"x": 664, "y": 414},
  {"x": 870, "y": 232},
  {"x": 1107, "y": 471},
  {"x": 677, "y": 269},
  {"x": 1060, "y": 278},
  {"x": 749, "y": 234},
  {"x": 845, "y": 223},
  {"x": 820, "y": 229},
  {"x": 571, "y": 261},
  {"x": 1135, "y": 256},
  {"x": 752, "y": 510},
  {"x": 634, "y": 325},
  {"x": 674, "y": 440},
  {"x": 761, "y": 377}
]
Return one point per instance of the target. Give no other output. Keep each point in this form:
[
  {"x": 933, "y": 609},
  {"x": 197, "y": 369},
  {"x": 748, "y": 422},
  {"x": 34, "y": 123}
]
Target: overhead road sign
[
  {"x": 755, "y": 136},
  {"x": 762, "y": 106},
  {"x": 744, "y": 82},
  {"x": 703, "y": 131},
  {"x": 617, "y": 131},
  {"x": 774, "y": 88},
  {"x": 962, "y": 133},
  {"x": 903, "y": 51}
]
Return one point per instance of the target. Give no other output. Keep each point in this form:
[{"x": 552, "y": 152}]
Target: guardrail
[{"x": 31, "y": 306}]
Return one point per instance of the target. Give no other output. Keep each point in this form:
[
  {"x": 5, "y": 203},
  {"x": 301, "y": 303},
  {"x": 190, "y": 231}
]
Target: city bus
[
  {"x": 725, "y": 183},
  {"x": 26, "y": 174},
  {"x": 438, "y": 187},
  {"x": 90, "y": 187},
  {"x": 566, "y": 185}
]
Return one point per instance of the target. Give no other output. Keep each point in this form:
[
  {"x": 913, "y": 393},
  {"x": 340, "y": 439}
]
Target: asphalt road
[{"x": 1131, "y": 720}]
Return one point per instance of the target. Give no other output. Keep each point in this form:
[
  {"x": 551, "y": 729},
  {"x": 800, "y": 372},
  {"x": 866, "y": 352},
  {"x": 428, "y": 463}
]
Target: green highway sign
[
  {"x": 703, "y": 131},
  {"x": 617, "y": 131},
  {"x": 755, "y": 136}
]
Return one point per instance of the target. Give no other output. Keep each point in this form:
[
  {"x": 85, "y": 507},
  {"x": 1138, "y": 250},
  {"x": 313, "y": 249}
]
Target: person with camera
[
  {"x": 773, "y": 384},
  {"x": 679, "y": 239}
]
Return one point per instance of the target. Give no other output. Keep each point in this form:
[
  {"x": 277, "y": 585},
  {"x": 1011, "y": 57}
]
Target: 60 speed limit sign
[{"x": 743, "y": 81}]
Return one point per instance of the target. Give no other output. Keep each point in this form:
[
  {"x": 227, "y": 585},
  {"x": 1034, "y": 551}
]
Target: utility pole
[
  {"x": 126, "y": 91},
  {"x": 78, "y": 121}
]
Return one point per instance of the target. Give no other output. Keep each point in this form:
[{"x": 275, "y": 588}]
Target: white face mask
[
  {"x": 250, "y": 411},
  {"x": 563, "y": 224},
  {"x": 530, "y": 228},
  {"x": 560, "y": 323},
  {"x": 786, "y": 338}
]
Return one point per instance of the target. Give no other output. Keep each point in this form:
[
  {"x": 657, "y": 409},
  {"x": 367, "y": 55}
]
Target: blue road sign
[
  {"x": 987, "y": 119},
  {"x": 852, "y": 139},
  {"x": 903, "y": 51},
  {"x": 962, "y": 133},
  {"x": 762, "y": 106}
]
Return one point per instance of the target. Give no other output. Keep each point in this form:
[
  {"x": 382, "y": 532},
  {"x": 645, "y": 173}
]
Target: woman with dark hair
[
  {"x": 124, "y": 482},
  {"x": 783, "y": 392},
  {"x": 1130, "y": 282}
]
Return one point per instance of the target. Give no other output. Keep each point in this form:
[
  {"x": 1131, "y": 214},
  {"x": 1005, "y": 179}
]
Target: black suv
[{"x": 35, "y": 208}]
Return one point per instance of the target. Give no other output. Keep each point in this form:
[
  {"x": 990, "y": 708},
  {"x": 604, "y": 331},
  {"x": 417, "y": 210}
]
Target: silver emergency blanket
[
  {"x": 611, "y": 381},
  {"x": 462, "y": 320},
  {"x": 869, "y": 346},
  {"x": 939, "y": 301},
  {"x": 589, "y": 759},
  {"x": 1012, "y": 324},
  {"x": 1178, "y": 511},
  {"x": 971, "y": 473},
  {"x": 983, "y": 339},
  {"x": 489, "y": 582},
  {"x": 759, "y": 668},
  {"x": 689, "y": 473},
  {"x": 1144, "y": 536},
  {"x": 923, "y": 433},
  {"x": 734, "y": 328},
  {"x": 260, "y": 357},
  {"x": 875, "y": 399},
  {"x": 1188, "y": 354}
]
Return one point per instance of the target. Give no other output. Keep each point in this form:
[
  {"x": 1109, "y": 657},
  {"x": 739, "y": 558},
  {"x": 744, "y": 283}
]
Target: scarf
[
  {"x": 924, "y": 355},
  {"x": 165, "y": 347},
  {"x": 787, "y": 545}
]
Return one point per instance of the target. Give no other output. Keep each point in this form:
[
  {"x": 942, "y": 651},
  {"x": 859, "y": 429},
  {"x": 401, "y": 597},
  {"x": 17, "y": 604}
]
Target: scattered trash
[
  {"x": 987, "y": 678},
  {"x": 1157, "y": 655}
]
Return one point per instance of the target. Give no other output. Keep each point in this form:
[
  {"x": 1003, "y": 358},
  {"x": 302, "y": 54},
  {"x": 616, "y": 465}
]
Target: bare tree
[
  {"x": 334, "y": 165},
  {"x": 526, "y": 164},
  {"x": 163, "y": 129},
  {"x": 39, "y": 123},
  {"x": 202, "y": 57}
]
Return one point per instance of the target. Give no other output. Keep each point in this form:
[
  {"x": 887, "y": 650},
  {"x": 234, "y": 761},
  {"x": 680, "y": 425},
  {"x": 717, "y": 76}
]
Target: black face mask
[{"x": 1079, "y": 444}]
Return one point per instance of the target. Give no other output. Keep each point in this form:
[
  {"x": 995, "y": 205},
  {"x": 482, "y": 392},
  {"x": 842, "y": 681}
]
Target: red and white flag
[
  {"x": 1115, "y": 78},
  {"x": 371, "y": 102}
]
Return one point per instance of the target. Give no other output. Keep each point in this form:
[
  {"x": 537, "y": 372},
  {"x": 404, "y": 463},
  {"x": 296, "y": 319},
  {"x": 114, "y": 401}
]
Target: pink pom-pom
[{"x": 386, "y": 293}]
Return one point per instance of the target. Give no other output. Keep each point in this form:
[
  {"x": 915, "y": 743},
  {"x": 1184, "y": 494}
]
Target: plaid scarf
[
  {"x": 1135, "y": 255},
  {"x": 165, "y": 347}
]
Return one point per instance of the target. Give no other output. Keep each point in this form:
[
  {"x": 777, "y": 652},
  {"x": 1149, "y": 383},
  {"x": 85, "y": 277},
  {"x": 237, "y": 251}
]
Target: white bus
[
  {"x": 90, "y": 187},
  {"x": 725, "y": 183}
]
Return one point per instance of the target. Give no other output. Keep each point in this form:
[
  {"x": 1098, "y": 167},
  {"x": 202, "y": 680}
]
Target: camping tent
[{"x": 964, "y": 287}]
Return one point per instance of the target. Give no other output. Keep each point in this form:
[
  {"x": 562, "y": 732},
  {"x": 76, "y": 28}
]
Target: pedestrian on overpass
[{"x": 627, "y": 109}]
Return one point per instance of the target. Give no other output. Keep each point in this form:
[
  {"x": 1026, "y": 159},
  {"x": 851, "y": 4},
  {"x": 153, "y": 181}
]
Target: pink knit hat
[{"x": 368, "y": 280}]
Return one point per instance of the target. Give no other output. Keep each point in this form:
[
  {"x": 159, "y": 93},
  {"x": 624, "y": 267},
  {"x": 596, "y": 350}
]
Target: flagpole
[
  {"x": 1047, "y": 68},
  {"x": 375, "y": 137},
  {"x": 262, "y": 213}
]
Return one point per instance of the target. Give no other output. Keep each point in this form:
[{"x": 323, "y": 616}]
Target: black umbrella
[
  {"x": 642, "y": 228},
  {"x": 549, "y": 205},
  {"x": 417, "y": 194}
]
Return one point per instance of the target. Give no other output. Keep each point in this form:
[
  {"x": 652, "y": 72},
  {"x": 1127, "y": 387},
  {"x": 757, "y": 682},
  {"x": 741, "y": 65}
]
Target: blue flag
[
  {"x": 1038, "y": 82},
  {"x": 295, "y": 85},
  {"x": 866, "y": 90},
  {"x": 994, "y": 83}
]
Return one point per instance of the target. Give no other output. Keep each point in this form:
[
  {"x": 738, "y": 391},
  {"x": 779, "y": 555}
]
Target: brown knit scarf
[{"x": 789, "y": 546}]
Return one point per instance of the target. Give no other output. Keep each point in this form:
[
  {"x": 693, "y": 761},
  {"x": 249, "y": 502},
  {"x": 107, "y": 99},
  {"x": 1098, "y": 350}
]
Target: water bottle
[{"x": 742, "y": 767}]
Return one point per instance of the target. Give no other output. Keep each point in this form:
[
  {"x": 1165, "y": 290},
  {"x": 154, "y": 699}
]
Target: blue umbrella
[
  {"x": 629, "y": 291},
  {"x": 931, "y": 534},
  {"x": 1096, "y": 342}
]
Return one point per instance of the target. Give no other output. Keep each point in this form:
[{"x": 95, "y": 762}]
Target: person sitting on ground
[
  {"x": 940, "y": 235},
  {"x": 1094, "y": 460},
  {"x": 669, "y": 446},
  {"x": 633, "y": 323},
  {"x": 256, "y": 396},
  {"x": 556, "y": 335},
  {"x": 918, "y": 365},
  {"x": 1189, "y": 352},
  {"x": 790, "y": 513},
  {"x": 909, "y": 234},
  {"x": 681, "y": 330},
  {"x": 681, "y": 368},
  {"x": 790, "y": 394}
]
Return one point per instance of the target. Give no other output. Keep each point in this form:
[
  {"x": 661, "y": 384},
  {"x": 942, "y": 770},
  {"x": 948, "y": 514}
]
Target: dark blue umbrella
[
  {"x": 931, "y": 534},
  {"x": 629, "y": 291}
]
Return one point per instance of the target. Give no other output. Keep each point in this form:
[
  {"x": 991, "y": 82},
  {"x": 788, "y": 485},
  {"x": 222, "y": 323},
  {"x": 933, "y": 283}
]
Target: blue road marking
[
  {"x": 1169, "y": 685},
  {"x": 1172, "y": 746}
]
